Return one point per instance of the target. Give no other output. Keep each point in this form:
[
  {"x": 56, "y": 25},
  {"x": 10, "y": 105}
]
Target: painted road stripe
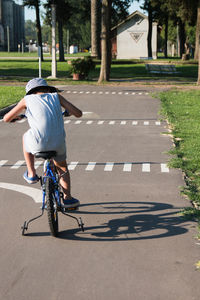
[
  {"x": 146, "y": 123},
  {"x": 123, "y": 123},
  {"x": 34, "y": 193},
  {"x": 157, "y": 123},
  {"x": 67, "y": 121},
  {"x": 145, "y": 167},
  {"x": 134, "y": 122},
  {"x": 18, "y": 164},
  {"x": 22, "y": 121},
  {"x": 89, "y": 122},
  {"x": 78, "y": 122},
  {"x": 38, "y": 163},
  {"x": 100, "y": 122},
  {"x": 3, "y": 162},
  {"x": 90, "y": 166},
  {"x": 127, "y": 167},
  {"x": 164, "y": 168},
  {"x": 111, "y": 123},
  {"x": 109, "y": 166},
  {"x": 72, "y": 165}
]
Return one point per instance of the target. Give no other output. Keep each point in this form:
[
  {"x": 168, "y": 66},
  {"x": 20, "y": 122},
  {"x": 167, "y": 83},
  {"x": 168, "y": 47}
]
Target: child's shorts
[{"x": 31, "y": 146}]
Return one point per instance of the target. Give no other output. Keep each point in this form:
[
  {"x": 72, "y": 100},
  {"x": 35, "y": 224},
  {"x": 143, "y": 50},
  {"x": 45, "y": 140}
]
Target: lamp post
[{"x": 53, "y": 64}]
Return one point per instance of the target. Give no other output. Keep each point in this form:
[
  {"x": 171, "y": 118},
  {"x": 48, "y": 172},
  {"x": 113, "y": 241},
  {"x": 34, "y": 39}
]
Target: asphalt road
[{"x": 135, "y": 245}]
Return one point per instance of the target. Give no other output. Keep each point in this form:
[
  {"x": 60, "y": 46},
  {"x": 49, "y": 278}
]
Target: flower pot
[{"x": 76, "y": 76}]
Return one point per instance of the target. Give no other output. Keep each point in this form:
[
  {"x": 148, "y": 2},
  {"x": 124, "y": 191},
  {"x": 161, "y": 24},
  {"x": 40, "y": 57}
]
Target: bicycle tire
[{"x": 52, "y": 211}]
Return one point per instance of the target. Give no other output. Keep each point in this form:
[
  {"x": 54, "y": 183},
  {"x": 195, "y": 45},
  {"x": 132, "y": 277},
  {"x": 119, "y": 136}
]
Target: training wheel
[{"x": 24, "y": 227}]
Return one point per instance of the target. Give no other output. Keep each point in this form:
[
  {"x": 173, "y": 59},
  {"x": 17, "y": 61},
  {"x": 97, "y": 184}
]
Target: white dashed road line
[{"x": 92, "y": 165}]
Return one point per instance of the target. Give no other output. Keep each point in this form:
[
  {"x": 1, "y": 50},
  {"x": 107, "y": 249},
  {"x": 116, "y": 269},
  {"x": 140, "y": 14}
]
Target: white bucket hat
[{"x": 36, "y": 83}]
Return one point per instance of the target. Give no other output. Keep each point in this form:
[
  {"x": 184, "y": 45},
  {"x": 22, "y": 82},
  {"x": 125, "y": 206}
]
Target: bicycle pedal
[{"x": 71, "y": 209}]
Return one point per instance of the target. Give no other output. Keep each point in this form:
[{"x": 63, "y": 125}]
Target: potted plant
[{"x": 80, "y": 68}]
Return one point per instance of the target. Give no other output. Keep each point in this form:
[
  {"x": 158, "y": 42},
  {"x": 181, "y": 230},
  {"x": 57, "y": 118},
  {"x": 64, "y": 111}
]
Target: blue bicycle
[
  {"x": 51, "y": 191},
  {"x": 52, "y": 195}
]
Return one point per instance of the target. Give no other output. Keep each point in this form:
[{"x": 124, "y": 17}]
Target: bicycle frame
[{"x": 49, "y": 173}]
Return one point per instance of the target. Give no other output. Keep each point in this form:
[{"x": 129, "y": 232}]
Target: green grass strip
[
  {"x": 10, "y": 95},
  {"x": 182, "y": 109}
]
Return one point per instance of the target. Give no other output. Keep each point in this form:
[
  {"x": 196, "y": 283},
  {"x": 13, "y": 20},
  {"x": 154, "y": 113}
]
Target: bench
[{"x": 161, "y": 69}]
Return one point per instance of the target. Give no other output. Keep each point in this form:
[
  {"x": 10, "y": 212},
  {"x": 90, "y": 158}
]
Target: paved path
[{"x": 135, "y": 244}]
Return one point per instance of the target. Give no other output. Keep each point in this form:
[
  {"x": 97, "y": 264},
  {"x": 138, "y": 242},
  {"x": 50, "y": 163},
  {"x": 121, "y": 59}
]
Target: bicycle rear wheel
[{"x": 52, "y": 211}]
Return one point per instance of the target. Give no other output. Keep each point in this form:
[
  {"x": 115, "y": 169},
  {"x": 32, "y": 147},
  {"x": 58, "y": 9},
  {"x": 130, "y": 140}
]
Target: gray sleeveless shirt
[{"x": 45, "y": 119}]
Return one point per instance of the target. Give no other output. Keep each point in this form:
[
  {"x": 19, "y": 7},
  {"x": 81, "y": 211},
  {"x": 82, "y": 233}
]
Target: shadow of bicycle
[{"x": 146, "y": 220}]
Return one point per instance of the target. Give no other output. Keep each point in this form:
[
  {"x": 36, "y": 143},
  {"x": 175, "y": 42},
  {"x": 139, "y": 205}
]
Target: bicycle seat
[{"x": 45, "y": 155}]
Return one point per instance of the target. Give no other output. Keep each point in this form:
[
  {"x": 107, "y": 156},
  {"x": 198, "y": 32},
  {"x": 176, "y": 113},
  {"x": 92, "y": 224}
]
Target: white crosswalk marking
[
  {"x": 22, "y": 121},
  {"x": 90, "y": 166},
  {"x": 157, "y": 123},
  {"x": 123, "y": 123},
  {"x": 67, "y": 121},
  {"x": 78, "y": 122},
  {"x": 3, "y": 162},
  {"x": 72, "y": 165},
  {"x": 89, "y": 122},
  {"x": 164, "y": 168},
  {"x": 18, "y": 164},
  {"x": 127, "y": 167},
  {"x": 111, "y": 122},
  {"x": 109, "y": 166},
  {"x": 134, "y": 122},
  {"x": 146, "y": 123},
  {"x": 38, "y": 163},
  {"x": 145, "y": 167},
  {"x": 100, "y": 122}
]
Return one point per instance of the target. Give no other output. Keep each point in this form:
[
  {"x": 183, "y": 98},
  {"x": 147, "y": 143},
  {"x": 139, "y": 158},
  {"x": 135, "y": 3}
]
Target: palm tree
[{"x": 36, "y": 5}]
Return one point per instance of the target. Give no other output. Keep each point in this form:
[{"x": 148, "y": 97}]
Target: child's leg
[
  {"x": 29, "y": 158},
  {"x": 63, "y": 172}
]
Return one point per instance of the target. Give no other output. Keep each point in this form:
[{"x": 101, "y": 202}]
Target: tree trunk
[
  {"x": 149, "y": 37},
  {"x": 182, "y": 38},
  {"x": 166, "y": 36},
  {"x": 95, "y": 28},
  {"x": 60, "y": 37},
  {"x": 38, "y": 28},
  {"x": 105, "y": 41},
  {"x": 196, "y": 55}
]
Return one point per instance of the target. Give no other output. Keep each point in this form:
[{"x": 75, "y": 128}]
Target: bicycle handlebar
[{"x": 65, "y": 113}]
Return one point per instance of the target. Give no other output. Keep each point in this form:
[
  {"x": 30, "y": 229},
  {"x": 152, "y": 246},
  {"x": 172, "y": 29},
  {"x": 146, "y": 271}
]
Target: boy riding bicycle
[{"x": 46, "y": 133}]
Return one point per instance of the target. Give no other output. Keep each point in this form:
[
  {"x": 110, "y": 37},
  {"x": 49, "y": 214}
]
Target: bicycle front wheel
[{"x": 52, "y": 211}]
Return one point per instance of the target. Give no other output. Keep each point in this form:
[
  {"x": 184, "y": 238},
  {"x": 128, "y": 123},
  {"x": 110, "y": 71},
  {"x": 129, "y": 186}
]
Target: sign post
[
  {"x": 53, "y": 64},
  {"x": 40, "y": 61}
]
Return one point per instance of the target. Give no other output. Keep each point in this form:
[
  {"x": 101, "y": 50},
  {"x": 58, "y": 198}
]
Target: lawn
[
  {"x": 182, "y": 109},
  {"x": 10, "y": 95},
  {"x": 130, "y": 70}
]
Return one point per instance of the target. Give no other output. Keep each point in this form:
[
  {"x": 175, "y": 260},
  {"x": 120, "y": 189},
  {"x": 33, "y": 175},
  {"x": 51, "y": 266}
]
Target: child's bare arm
[
  {"x": 73, "y": 110},
  {"x": 13, "y": 113}
]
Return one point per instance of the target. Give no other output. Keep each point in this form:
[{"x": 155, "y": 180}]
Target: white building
[{"x": 129, "y": 38}]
